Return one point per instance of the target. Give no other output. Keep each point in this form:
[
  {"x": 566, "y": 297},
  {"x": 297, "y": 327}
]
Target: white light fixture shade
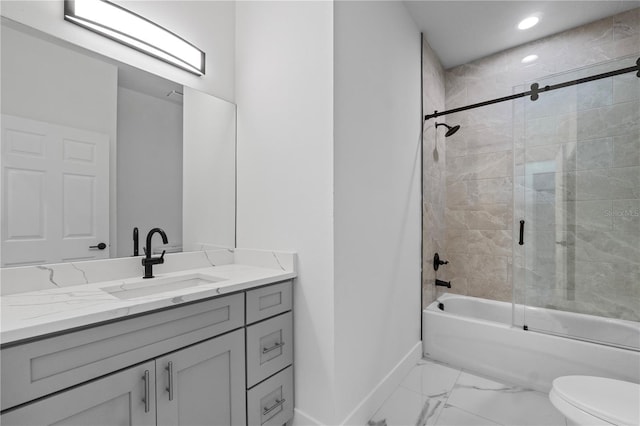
[
  {"x": 529, "y": 58},
  {"x": 126, "y": 27}
]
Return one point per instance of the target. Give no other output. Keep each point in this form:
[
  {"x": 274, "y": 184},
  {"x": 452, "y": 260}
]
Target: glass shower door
[{"x": 577, "y": 188}]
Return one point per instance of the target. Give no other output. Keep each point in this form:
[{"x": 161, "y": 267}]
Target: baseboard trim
[
  {"x": 300, "y": 418},
  {"x": 374, "y": 400}
]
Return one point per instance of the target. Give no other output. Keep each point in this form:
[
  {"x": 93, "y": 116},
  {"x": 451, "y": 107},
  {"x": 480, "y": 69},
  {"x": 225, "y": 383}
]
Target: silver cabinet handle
[
  {"x": 273, "y": 348},
  {"x": 277, "y": 404},
  {"x": 147, "y": 390},
  {"x": 170, "y": 387}
]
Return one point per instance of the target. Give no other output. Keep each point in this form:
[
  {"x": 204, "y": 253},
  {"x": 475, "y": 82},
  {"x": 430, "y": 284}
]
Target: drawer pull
[
  {"x": 147, "y": 390},
  {"x": 278, "y": 403},
  {"x": 272, "y": 348},
  {"x": 170, "y": 387}
]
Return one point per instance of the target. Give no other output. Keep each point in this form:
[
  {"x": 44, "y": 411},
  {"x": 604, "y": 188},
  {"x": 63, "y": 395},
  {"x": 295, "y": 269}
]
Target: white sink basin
[{"x": 152, "y": 286}]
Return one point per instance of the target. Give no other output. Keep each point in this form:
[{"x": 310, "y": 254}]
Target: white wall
[
  {"x": 210, "y": 25},
  {"x": 377, "y": 194},
  {"x": 149, "y": 168},
  {"x": 301, "y": 66},
  {"x": 284, "y": 92}
]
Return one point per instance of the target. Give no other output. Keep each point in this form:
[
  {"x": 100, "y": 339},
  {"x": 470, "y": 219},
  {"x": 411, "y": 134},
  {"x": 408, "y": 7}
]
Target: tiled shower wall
[
  {"x": 433, "y": 166},
  {"x": 479, "y": 218}
]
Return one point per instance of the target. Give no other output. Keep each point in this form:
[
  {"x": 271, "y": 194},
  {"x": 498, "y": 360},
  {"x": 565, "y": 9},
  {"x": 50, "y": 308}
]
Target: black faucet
[{"x": 149, "y": 261}]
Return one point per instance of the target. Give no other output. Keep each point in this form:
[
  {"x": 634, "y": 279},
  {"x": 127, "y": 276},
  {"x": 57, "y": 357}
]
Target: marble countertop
[{"x": 38, "y": 313}]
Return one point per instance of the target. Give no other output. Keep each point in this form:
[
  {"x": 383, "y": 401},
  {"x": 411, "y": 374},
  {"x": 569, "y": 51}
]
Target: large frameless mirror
[{"x": 93, "y": 148}]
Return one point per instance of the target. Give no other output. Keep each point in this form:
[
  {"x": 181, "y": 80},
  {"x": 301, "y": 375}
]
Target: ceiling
[{"x": 462, "y": 31}]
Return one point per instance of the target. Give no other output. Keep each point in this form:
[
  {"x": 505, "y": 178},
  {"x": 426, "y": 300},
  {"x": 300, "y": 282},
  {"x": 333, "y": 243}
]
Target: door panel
[
  {"x": 116, "y": 410},
  {"x": 115, "y": 400},
  {"x": 55, "y": 193},
  {"x": 207, "y": 383}
]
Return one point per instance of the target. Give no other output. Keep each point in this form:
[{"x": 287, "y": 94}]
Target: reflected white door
[{"x": 55, "y": 193}]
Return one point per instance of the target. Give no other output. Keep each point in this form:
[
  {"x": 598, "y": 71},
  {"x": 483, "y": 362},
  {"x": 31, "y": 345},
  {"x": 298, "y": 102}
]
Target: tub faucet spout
[{"x": 446, "y": 284}]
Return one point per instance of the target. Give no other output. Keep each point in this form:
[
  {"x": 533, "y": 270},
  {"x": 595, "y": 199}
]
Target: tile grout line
[
  {"x": 421, "y": 418},
  {"x": 462, "y": 409},
  {"x": 444, "y": 404},
  {"x": 475, "y": 415}
]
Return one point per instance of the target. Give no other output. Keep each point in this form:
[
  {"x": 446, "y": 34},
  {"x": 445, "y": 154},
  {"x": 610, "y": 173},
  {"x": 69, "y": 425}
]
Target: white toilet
[{"x": 587, "y": 400}]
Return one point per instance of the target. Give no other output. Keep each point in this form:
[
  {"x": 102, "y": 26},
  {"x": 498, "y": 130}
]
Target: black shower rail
[{"x": 536, "y": 90}]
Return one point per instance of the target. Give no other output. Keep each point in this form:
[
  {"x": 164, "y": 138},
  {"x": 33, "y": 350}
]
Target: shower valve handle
[{"x": 437, "y": 262}]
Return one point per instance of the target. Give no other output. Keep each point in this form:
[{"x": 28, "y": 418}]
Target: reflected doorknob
[{"x": 100, "y": 246}]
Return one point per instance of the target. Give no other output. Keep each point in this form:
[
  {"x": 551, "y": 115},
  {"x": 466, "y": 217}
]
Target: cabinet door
[
  {"x": 203, "y": 384},
  {"x": 124, "y": 398}
]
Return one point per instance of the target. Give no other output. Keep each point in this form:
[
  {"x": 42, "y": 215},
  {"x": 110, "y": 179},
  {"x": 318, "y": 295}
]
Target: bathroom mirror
[{"x": 92, "y": 148}]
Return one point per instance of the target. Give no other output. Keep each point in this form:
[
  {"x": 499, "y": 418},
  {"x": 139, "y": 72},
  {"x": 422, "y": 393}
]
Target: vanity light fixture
[
  {"x": 128, "y": 28},
  {"x": 527, "y": 23},
  {"x": 529, "y": 58}
]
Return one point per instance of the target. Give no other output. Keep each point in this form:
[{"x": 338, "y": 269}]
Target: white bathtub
[{"x": 477, "y": 334}]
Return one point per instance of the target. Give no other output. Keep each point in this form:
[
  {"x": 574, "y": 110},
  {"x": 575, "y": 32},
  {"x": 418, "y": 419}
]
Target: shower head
[{"x": 451, "y": 130}]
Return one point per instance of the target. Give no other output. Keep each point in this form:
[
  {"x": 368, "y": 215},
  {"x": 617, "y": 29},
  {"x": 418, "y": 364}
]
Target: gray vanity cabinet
[
  {"x": 205, "y": 387},
  {"x": 116, "y": 400},
  {"x": 181, "y": 366},
  {"x": 269, "y": 349},
  {"x": 203, "y": 384}
]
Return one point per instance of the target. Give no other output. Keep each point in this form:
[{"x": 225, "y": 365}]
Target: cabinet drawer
[
  {"x": 271, "y": 402},
  {"x": 269, "y": 348},
  {"x": 49, "y": 365},
  {"x": 268, "y": 301}
]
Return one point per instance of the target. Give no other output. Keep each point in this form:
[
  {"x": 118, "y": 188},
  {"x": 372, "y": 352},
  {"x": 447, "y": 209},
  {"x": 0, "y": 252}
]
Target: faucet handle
[
  {"x": 437, "y": 262},
  {"x": 162, "y": 256}
]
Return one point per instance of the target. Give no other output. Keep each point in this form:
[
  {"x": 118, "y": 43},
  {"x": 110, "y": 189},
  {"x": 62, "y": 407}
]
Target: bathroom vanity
[{"x": 209, "y": 345}]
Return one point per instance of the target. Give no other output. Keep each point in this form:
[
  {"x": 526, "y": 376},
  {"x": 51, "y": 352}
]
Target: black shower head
[{"x": 451, "y": 130}]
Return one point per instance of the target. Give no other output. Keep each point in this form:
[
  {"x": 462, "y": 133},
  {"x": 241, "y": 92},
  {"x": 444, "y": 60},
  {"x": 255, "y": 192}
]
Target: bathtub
[{"x": 477, "y": 334}]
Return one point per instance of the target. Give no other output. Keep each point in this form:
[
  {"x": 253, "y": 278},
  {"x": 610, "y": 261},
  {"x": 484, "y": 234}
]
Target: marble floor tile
[
  {"x": 402, "y": 408},
  {"x": 502, "y": 403},
  {"x": 431, "y": 379},
  {"x": 430, "y": 411},
  {"x": 453, "y": 416},
  {"x": 434, "y": 394}
]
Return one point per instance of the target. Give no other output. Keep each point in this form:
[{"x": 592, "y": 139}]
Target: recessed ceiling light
[
  {"x": 527, "y": 23},
  {"x": 529, "y": 58}
]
